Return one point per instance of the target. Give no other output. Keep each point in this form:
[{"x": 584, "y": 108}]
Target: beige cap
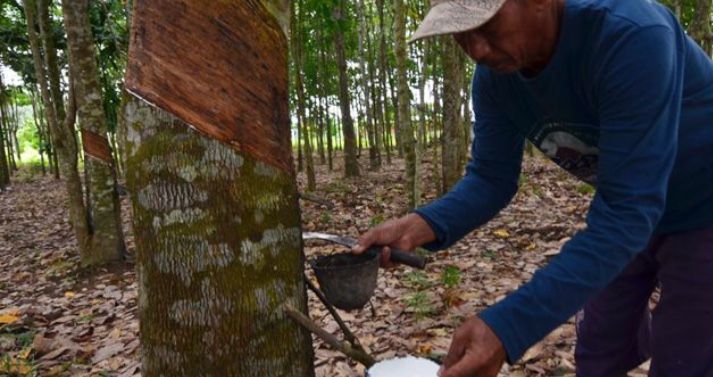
[{"x": 455, "y": 16}]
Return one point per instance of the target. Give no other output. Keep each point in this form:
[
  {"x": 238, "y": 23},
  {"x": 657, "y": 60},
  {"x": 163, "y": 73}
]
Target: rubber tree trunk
[
  {"x": 408, "y": 141},
  {"x": 7, "y": 124},
  {"x": 383, "y": 64},
  {"x": 366, "y": 69},
  {"x": 43, "y": 142},
  {"x": 61, "y": 126},
  {"x": 700, "y": 28},
  {"x": 451, "y": 151},
  {"x": 4, "y": 166},
  {"x": 106, "y": 241},
  {"x": 303, "y": 123},
  {"x": 351, "y": 165},
  {"x": 214, "y": 197}
]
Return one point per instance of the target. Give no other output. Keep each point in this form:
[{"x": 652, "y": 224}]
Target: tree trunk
[
  {"x": 48, "y": 134},
  {"x": 106, "y": 241},
  {"x": 330, "y": 142},
  {"x": 61, "y": 125},
  {"x": 383, "y": 68},
  {"x": 4, "y": 166},
  {"x": 216, "y": 215},
  {"x": 40, "y": 132},
  {"x": 452, "y": 129},
  {"x": 320, "y": 131},
  {"x": 304, "y": 124},
  {"x": 351, "y": 165},
  {"x": 6, "y": 118},
  {"x": 365, "y": 75},
  {"x": 408, "y": 142},
  {"x": 466, "y": 121},
  {"x": 300, "y": 164},
  {"x": 700, "y": 28}
]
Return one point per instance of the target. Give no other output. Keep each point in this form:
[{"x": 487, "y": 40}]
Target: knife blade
[{"x": 397, "y": 256}]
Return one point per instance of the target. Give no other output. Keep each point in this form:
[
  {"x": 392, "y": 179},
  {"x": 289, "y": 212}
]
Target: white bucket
[{"x": 406, "y": 366}]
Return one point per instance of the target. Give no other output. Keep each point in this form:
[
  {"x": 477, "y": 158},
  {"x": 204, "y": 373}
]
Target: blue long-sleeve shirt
[{"x": 626, "y": 103}]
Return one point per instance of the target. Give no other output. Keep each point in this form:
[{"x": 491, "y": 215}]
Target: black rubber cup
[{"x": 347, "y": 280}]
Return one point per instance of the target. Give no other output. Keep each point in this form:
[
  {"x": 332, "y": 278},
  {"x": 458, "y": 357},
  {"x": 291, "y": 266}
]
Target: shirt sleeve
[
  {"x": 640, "y": 89},
  {"x": 491, "y": 178}
]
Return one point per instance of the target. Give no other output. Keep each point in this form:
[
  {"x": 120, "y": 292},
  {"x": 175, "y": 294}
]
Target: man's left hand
[{"x": 475, "y": 352}]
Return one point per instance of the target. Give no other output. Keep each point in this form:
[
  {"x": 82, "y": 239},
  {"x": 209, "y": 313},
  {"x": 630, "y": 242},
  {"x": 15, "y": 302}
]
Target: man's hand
[
  {"x": 475, "y": 352},
  {"x": 405, "y": 233}
]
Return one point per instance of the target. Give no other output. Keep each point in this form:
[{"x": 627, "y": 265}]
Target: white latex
[{"x": 401, "y": 367}]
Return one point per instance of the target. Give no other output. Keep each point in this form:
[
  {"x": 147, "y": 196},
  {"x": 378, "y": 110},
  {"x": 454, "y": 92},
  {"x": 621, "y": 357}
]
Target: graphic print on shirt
[{"x": 572, "y": 146}]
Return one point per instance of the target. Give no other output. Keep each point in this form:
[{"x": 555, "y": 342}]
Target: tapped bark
[
  {"x": 106, "y": 241},
  {"x": 213, "y": 190}
]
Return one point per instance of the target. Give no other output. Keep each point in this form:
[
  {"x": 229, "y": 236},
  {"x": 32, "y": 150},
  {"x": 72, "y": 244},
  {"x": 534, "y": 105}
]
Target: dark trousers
[{"x": 616, "y": 331}]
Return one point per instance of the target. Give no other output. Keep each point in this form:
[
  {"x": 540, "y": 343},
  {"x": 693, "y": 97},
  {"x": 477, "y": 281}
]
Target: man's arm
[
  {"x": 491, "y": 176},
  {"x": 639, "y": 105}
]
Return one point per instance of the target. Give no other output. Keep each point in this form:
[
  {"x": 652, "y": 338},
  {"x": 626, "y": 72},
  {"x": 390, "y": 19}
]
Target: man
[{"x": 617, "y": 94}]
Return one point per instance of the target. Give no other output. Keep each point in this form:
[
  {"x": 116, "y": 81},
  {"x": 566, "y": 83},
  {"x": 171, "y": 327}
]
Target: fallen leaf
[
  {"x": 501, "y": 233},
  {"x": 7, "y": 319},
  {"x": 107, "y": 352},
  {"x": 15, "y": 367}
]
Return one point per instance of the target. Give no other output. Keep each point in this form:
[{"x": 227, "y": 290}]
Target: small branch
[
  {"x": 316, "y": 199},
  {"x": 348, "y": 335},
  {"x": 356, "y": 354}
]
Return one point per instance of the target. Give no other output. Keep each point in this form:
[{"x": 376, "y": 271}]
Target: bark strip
[
  {"x": 237, "y": 43},
  {"x": 97, "y": 146}
]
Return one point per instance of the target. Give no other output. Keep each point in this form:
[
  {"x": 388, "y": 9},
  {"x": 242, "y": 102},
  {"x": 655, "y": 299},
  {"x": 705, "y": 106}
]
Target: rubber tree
[
  {"x": 408, "y": 141},
  {"x": 351, "y": 163},
  {"x": 451, "y": 151},
  {"x": 213, "y": 190},
  {"x": 106, "y": 242},
  {"x": 4, "y": 166},
  {"x": 701, "y": 27},
  {"x": 302, "y": 121}
]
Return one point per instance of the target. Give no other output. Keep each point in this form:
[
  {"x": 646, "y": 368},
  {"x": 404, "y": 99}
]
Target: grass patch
[
  {"x": 417, "y": 279},
  {"x": 450, "y": 276},
  {"x": 585, "y": 189},
  {"x": 376, "y": 220},
  {"x": 421, "y": 305}
]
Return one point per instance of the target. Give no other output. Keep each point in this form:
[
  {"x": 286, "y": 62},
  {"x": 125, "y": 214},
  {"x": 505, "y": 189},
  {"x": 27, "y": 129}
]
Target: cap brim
[{"x": 456, "y": 17}]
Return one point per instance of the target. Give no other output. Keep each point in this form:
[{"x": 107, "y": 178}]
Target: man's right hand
[{"x": 405, "y": 233}]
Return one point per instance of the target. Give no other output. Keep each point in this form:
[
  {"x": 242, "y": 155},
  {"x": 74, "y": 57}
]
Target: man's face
[{"x": 508, "y": 41}]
